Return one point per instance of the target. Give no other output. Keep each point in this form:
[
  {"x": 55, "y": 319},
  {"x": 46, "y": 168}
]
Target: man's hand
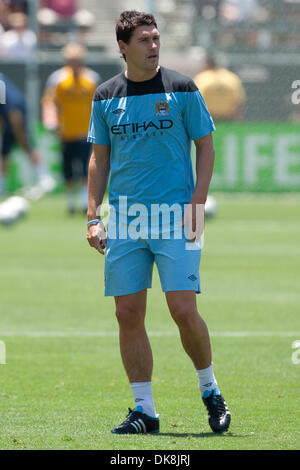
[
  {"x": 96, "y": 236},
  {"x": 193, "y": 221}
]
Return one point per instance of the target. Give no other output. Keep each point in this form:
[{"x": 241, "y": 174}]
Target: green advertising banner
[
  {"x": 21, "y": 172},
  {"x": 257, "y": 157},
  {"x": 250, "y": 157}
]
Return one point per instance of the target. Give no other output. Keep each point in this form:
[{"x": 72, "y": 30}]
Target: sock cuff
[
  {"x": 207, "y": 369},
  {"x": 140, "y": 384}
]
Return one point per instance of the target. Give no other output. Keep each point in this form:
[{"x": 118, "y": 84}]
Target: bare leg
[
  {"x": 193, "y": 330},
  {"x": 134, "y": 343}
]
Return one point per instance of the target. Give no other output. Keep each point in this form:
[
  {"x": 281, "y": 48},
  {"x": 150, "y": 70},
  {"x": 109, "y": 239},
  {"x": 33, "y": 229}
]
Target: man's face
[{"x": 142, "y": 51}]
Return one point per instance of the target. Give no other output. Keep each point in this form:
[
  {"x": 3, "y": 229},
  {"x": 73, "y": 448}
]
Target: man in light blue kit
[{"x": 142, "y": 125}]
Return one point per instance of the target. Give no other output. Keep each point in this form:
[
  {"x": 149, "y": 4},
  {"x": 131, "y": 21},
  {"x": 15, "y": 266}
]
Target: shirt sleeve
[
  {"x": 98, "y": 130},
  {"x": 197, "y": 119}
]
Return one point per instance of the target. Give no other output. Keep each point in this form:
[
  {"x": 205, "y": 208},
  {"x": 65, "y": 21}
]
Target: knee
[
  {"x": 184, "y": 315},
  {"x": 129, "y": 317}
]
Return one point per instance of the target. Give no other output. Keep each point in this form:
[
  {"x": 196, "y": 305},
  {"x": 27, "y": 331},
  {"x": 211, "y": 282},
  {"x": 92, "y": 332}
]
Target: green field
[{"x": 63, "y": 385}]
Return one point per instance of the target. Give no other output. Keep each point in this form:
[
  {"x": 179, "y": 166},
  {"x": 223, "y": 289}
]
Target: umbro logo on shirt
[
  {"x": 119, "y": 111},
  {"x": 192, "y": 277}
]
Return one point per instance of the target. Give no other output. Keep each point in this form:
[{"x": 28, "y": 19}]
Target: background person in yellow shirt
[
  {"x": 66, "y": 106},
  {"x": 222, "y": 91}
]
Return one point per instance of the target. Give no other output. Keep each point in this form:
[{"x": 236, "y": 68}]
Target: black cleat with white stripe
[
  {"x": 218, "y": 412},
  {"x": 137, "y": 422}
]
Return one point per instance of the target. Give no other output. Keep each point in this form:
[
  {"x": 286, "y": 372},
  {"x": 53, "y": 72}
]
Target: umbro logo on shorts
[{"x": 192, "y": 277}]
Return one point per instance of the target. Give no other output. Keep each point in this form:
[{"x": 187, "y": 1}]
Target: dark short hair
[{"x": 129, "y": 20}]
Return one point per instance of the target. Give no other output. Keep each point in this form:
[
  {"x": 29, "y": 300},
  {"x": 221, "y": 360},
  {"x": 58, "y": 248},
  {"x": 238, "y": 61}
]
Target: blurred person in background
[
  {"x": 58, "y": 9},
  {"x": 222, "y": 91},
  {"x": 4, "y": 14},
  {"x": 52, "y": 13},
  {"x": 207, "y": 9},
  {"x": 19, "y": 42},
  {"x": 18, "y": 6},
  {"x": 238, "y": 10},
  {"x": 66, "y": 108},
  {"x": 11, "y": 6},
  {"x": 14, "y": 129}
]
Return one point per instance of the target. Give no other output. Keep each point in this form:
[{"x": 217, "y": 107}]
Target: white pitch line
[{"x": 100, "y": 334}]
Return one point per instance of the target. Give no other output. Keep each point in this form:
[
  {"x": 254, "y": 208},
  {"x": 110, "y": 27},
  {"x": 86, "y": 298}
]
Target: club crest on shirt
[{"x": 162, "y": 107}]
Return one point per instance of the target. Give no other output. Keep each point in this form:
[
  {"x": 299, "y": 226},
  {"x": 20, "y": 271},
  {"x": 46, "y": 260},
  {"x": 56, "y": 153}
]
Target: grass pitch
[{"x": 63, "y": 384}]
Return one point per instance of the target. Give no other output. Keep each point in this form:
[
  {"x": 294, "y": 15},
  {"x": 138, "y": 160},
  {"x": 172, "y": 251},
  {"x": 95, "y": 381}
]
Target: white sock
[
  {"x": 142, "y": 392},
  {"x": 207, "y": 380}
]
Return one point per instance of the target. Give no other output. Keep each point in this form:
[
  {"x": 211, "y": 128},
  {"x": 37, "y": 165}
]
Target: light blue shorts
[{"x": 129, "y": 265}]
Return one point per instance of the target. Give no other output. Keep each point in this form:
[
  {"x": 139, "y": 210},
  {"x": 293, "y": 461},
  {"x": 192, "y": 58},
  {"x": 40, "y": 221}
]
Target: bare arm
[
  {"x": 50, "y": 109},
  {"x": 17, "y": 123},
  {"x": 194, "y": 215},
  {"x": 99, "y": 168},
  {"x": 205, "y": 156}
]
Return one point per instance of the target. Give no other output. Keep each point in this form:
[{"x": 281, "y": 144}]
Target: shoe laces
[
  {"x": 128, "y": 418},
  {"x": 130, "y": 414},
  {"x": 216, "y": 405}
]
